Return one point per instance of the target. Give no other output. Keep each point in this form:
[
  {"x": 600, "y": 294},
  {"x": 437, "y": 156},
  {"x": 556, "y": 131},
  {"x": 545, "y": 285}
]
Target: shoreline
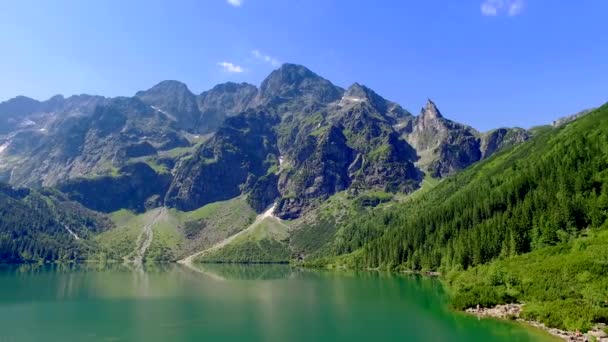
[{"x": 512, "y": 312}]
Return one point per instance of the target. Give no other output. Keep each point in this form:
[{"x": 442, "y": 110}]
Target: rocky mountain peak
[
  {"x": 19, "y": 104},
  {"x": 357, "y": 93},
  {"x": 430, "y": 111},
  {"x": 173, "y": 99},
  {"x": 296, "y": 87},
  {"x": 170, "y": 86}
]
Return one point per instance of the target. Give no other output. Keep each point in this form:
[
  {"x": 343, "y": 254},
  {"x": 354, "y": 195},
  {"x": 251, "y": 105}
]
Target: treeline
[{"x": 538, "y": 194}]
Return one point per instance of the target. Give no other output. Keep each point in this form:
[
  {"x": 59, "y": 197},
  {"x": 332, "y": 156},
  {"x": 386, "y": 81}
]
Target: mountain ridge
[{"x": 378, "y": 144}]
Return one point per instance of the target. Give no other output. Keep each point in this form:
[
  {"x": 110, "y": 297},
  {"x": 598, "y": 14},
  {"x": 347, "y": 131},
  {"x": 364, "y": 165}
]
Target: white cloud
[
  {"x": 266, "y": 58},
  {"x": 489, "y": 8},
  {"x": 496, "y": 7},
  {"x": 515, "y": 7},
  {"x": 230, "y": 67},
  {"x": 235, "y": 3}
]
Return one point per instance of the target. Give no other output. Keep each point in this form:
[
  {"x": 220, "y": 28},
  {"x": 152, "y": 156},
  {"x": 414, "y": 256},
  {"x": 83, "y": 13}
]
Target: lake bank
[{"x": 512, "y": 312}]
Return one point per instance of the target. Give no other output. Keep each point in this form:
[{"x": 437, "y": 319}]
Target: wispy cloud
[
  {"x": 230, "y": 67},
  {"x": 266, "y": 58},
  {"x": 497, "y": 7},
  {"x": 235, "y": 3}
]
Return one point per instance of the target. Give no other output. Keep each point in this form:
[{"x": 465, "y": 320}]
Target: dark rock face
[
  {"x": 263, "y": 192},
  {"x": 173, "y": 99},
  {"x": 138, "y": 187},
  {"x": 320, "y": 168},
  {"x": 293, "y": 88},
  {"x": 384, "y": 160},
  {"x": 223, "y": 101},
  {"x": 244, "y": 148}
]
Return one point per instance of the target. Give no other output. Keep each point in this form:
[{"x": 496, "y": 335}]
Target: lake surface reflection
[{"x": 216, "y": 302}]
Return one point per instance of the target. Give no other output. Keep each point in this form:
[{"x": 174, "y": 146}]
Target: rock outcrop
[{"x": 445, "y": 147}]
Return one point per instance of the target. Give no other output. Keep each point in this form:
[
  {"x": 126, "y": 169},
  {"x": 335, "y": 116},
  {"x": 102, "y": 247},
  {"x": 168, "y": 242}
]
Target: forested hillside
[
  {"x": 45, "y": 225},
  {"x": 540, "y": 193}
]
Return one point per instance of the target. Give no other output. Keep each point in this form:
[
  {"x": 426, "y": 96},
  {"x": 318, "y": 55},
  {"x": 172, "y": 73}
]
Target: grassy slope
[
  {"x": 116, "y": 243},
  {"x": 178, "y": 234},
  {"x": 266, "y": 242}
]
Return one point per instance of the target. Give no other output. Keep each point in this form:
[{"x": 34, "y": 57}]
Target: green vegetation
[
  {"x": 264, "y": 242},
  {"x": 168, "y": 240},
  {"x": 44, "y": 226},
  {"x": 119, "y": 242},
  {"x": 175, "y": 234},
  {"x": 224, "y": 217},
  {"x": 563, "y": 286},
  {"x": 156, "y": 166}
]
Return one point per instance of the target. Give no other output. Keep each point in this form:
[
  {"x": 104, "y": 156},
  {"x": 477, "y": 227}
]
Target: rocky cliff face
[
  {"x": 347, "y": 144},
  {"x": 319, "y": 168},
  {"x": 137, "y": 187},
  {"x": 445, "y": 147},
  {"x": 241, "y": 151}
]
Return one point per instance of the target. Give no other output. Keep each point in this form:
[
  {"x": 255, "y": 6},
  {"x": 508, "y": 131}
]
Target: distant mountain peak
[
  {"x": 357, "y": 93},
  {"x": 430, "y": 111},
  {"x": 171, "y": 86},
  {"x": 291, "y": 73},
  {"x": 293, "y": 82}
]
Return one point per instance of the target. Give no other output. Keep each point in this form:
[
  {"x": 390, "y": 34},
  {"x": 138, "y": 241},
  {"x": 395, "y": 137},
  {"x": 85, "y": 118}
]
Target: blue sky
[{"x": 487, "y": 63}]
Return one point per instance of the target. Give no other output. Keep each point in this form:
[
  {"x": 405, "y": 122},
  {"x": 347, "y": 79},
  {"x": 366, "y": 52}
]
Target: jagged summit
[{"x": 431, "y": 111}]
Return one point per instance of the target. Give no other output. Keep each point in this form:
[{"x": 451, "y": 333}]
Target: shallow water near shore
[{"x": 232, "y": 303}]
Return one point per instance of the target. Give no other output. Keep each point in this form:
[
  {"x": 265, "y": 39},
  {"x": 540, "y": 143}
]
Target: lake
[{"x": 232, "y": 303}]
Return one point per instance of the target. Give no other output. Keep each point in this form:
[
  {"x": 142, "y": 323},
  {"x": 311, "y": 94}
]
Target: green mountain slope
[
  {"x": 526, "y": 225},
  {"x": 538, "y": 194}
]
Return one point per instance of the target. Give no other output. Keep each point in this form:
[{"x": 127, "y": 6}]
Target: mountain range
[{"x": 297, "y": 139}]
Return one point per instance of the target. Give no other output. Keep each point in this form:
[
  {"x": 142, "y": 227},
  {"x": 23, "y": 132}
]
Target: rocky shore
[{"x": 513, "y": 311}]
